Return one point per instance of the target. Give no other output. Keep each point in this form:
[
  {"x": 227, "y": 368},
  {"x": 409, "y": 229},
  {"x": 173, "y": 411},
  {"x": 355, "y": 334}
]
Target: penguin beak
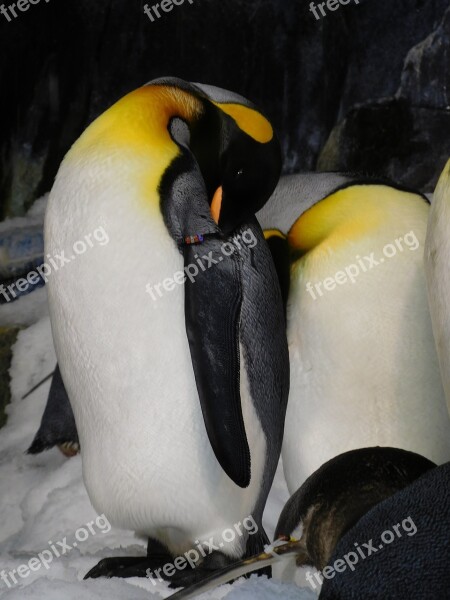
[{"x": 216, "y": 204}]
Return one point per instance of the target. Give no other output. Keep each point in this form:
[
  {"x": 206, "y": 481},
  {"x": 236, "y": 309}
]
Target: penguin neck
[
  {"x": 132, "y": 139},
  {"x": 349, "y": 214},
  {"x": 140, "y": 122}
]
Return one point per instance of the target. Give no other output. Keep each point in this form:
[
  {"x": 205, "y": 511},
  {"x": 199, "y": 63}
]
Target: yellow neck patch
[
  {"x": 249, "y": 120},
  {"x": 270, "y": 233},
  {"x": 131, "y": 139},
  {"x": 141, "y": 118},
  {"x": 346, "y": 215}
]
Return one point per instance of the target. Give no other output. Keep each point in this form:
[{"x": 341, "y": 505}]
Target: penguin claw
[
  {"x": 69, "y": 449},
  {"x": 127, "y": 566},
  {"x": 114, "y": 567}
]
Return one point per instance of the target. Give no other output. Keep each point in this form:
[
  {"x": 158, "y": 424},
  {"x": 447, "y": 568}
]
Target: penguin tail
[{"x": 285, "y": 553}]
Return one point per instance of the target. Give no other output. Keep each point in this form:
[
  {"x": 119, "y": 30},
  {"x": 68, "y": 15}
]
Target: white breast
[
  {"x": 364, "y": 370},
  {"x": 437, "y": 264},
  {"x": 147, "y": 461}
]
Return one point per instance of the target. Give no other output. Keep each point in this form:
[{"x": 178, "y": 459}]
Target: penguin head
[
  {"x": 229, "y": 157},
  {"x": 249, "y": 167},
  {"x": 249, "y": 173}
]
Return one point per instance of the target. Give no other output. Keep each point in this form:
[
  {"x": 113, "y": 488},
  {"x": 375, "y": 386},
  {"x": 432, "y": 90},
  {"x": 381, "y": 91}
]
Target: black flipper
[
  {"x": 212, "y": 309},
  {"x": 58, "y": 423},
  {"x": 279, "y": 249}
]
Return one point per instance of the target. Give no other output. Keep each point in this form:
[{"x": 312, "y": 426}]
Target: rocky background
[{"x": 365, "y": 88}]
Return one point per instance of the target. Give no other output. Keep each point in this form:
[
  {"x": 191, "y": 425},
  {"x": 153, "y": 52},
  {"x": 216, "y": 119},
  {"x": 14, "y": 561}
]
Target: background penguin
[
  {"x": 364, "y": 369},
  {"x": 325, "y": 508},
  {"x": 437, "y": 261},
  {"x": 338, "y": 494},
  {"x": 413, "y": 528},
  {"x": 179, "y": 402}
]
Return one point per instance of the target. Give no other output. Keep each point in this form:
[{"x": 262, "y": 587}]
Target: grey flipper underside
[{"x": 58, "y": 423}]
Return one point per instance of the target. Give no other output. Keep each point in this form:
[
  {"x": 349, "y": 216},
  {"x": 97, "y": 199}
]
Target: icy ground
[{"x": 43, "y": 498}]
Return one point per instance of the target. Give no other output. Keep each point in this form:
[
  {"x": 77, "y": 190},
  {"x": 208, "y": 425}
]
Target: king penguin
[
  {"x": 364, "y": 368},
  {"x": 179, "y": 397}
]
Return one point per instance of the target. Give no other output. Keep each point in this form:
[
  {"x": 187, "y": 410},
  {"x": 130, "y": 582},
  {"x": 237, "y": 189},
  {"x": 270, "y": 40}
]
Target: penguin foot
[
  {"x": 133, "y": 566},
  {"x": 127, "y": 566}
]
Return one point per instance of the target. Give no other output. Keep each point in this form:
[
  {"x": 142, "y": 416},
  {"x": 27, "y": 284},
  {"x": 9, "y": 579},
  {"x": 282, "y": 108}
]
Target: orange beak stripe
[{"x": 216, "y": 204}]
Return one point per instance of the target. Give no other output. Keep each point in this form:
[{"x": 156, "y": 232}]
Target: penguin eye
[{"x": 239, "y": 173}]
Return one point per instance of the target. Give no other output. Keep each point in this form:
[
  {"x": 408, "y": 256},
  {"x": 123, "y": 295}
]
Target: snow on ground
[
  {"x": 34, "y": 216},
  {"x": 43, "y": 499}
]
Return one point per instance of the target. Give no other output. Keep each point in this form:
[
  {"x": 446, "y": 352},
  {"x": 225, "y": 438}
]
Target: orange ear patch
[{"x": 216, "y": 204}]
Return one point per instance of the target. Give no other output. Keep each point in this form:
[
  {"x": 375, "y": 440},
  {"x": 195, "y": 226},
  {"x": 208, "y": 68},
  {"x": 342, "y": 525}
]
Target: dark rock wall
[
  {"x": 403, "y": 130},
  {"x": 65, "y": 61}
]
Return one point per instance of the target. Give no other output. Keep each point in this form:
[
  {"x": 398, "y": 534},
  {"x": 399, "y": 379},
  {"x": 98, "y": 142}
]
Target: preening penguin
[
  {"x": 437, "y": 266},
  {"x": 364, "y": 369},
  {"x": 409, "y": 550},
  {"x": 179, "y": 399},
  {"x": 337, "y": 495},
  {"x": 325, "y": 508}
]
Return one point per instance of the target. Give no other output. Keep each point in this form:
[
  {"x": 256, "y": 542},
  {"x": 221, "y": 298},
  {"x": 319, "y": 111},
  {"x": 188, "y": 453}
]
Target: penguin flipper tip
[
  {"x": 37, "y": 446},
  {"x": 285, "y": 552}
]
